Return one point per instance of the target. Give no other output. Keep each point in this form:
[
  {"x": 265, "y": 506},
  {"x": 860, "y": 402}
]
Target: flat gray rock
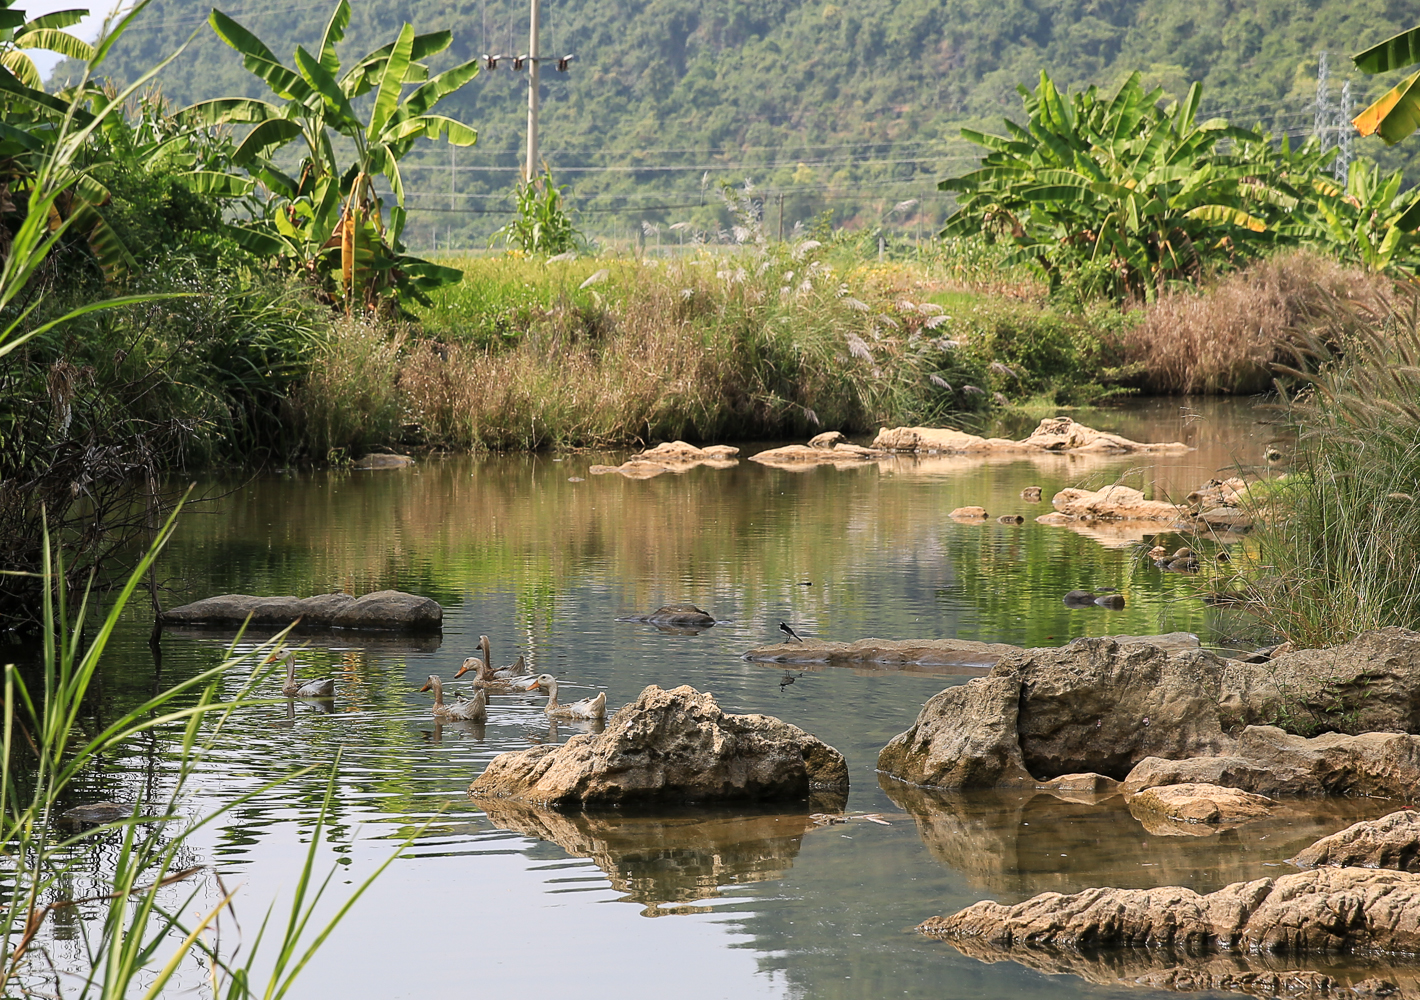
[{"x": 387, "y": 610}]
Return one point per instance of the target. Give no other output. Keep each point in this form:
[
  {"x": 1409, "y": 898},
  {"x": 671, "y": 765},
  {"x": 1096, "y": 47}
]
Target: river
[{"x": 543, "y": 557}]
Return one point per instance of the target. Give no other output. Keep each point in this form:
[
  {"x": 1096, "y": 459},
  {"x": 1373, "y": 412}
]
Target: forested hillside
[{"x": 851, "y": 105}]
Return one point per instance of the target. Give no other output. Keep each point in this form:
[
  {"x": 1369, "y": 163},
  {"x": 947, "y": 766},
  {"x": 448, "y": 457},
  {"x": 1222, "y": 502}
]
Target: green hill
[{"x": 850, "y": 105}]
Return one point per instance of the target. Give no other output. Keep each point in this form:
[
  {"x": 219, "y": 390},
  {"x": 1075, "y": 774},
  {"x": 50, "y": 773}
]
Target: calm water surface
[{"x": 725, "y": 903}]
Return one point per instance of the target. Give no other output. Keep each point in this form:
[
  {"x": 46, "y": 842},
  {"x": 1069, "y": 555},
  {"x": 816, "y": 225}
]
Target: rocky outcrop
[
  {"x": 1271, "y": 761},
  {"x": 672, "y": 456},
  {"x": 1356, "y": 910},
  {"x": 1171, "y": 810},
  {"x": 670, "y": 747},
  {"x": 383, "y": 610},
  {"x": 924, "y": 652},
  {"x": 1392, "y": 842},
  {"x": 666, "y": 862},
  {"x": 1107, "y": 705},
  {"x": 1060, "y": 435}
]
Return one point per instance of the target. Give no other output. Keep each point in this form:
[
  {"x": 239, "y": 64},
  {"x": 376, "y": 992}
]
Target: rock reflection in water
[
  {"x": 1253, "y": 974},
  {"x": 667, "y": 861},
  {"x": 1023, "y": 843}
]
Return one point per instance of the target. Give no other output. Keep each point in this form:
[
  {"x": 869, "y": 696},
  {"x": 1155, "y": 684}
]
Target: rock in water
[
  {"x": 977, "y": 748},
  {"x": 671, "y": 747},
  {"x": 1392, "y": 842},
  {"x": 1212, "y": 805},
  {"x": 1356, "y": 910},
  {"x": 385, "y": 610},
  {"x": 674, "y": 614}
]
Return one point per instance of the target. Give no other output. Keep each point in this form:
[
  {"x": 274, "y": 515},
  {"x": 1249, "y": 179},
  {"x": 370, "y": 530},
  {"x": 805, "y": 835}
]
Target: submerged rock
[
  {"x": 386, "y": 610},
  {"x": 670, "y": 747},
  {"x": 1113, "y": 503},
  {"x": 381, "y": 460},
  {"x": 1197, "y": 803},
  {"x": 921, "y": 652},
  {"x": 806, "y": 456},
  {"x": 1392, "y": 842},
  {"x": 94, "y": 814},
  {"x": 1031, "y": 494},
  {"x": 674, "y": 614},
  {"x": 1355, "y": 910}
]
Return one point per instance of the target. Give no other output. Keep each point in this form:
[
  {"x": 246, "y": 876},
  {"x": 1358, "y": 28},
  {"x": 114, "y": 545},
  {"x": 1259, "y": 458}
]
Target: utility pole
[
  {"x": 531, "y": 170},
  {"x": 1344, "y": 131}
]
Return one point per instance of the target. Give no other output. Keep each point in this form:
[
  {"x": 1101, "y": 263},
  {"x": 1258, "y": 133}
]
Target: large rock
[
  {"x": 671, "y": 456},
  {"x": 980, "y": 751},
  {"x": 920, "y": 652},
  {"x": 1356, "y": 910},
  {"x": 1121, "y": 503},
  {"x": 670, "y": 747},
  {"x": 809, "y": 455},
  {"x": 1392, "y": 841},
  {"x": 387, "y": 610},
  {"x": 1106, "y": 705},
  {"x": 675, "y": 614},
  {"x": 1270, "y": 761}
]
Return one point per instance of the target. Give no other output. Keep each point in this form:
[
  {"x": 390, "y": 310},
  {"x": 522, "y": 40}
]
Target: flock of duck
[{"x": 515, "y": 678}]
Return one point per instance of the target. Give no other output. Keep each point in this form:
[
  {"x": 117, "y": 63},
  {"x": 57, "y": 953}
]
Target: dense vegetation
[{"x": 852, "y": 106}]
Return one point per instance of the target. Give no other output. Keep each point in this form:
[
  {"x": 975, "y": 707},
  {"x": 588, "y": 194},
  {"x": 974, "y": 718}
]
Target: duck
[
  {"x": 323, "y": 688},
  {"x": 519, "y": 667},
  {"x": 473, "y": 710},
  {"x": 520, "y": 681},
  {"x": 587, "y": 708}
]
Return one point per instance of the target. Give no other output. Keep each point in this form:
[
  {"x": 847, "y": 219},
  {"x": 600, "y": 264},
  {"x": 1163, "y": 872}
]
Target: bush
[{"x": 1226, "y": 337}]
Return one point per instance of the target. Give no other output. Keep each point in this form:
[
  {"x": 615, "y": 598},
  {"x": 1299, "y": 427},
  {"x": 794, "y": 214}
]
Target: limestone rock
[
  {"x": 671, "y": 456},
  {"x": 1106, "y": 705},
  {"x": 920, "y": 652},
  {"x": 1356, "y": 910},
  {"x": 1097, "y": 784},
  {"x": 1113, "y": 503},
  {"x": 672, "y": 747},
  {"x": 1392, "y": 842},
  {"x": 388, "y": 610},
  {"x": 969, "y": 514},
  {"x": 1200, "y": 803},
  {"x": 827, "y": 439},
  {"x": 965, "y": 737},
  {"x": 1271, "y": 761},
  {"x": 807, "y": 456},
  {"x": 1054, "y": 434}
]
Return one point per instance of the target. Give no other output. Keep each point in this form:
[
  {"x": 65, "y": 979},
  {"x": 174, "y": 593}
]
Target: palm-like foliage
[
  {"x": 326, "y": 212},
  {"x": 1126, "y": 194},
  {"x": 18, "y": 33},
  {"x": 1397, "y": 113}
]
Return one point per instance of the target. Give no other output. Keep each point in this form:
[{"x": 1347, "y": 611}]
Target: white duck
[
  {"x": 587, "y": 708},
  {"x": 323, "y": 688},
  {"x": 473, "y": 710}
]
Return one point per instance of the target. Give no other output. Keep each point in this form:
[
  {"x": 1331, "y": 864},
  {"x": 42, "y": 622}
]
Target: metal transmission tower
[
  {"x": 1344, "y": 133},
  {"x": 1321, "y": 121}
]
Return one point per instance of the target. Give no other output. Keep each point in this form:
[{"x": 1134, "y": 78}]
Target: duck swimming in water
[
  {"x": 322, "y": 688},
  {"x": 587, "y": 708},
  {"x": 473, "y": 710},
  {"x": 514, "y": 679}
]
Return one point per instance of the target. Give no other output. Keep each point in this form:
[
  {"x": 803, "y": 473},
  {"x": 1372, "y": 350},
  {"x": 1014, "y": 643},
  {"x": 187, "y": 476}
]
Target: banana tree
[
  {"x": 1397, "y": 113},
  {"x": 1369, "y": 220},
  {"x": 328, "y": 218},
  {"x": 1122, "y": 194},
  {"x": 18, "y": 33}
]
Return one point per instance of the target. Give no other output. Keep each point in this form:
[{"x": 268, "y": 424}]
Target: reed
[{"x": 1340, "y": 550}]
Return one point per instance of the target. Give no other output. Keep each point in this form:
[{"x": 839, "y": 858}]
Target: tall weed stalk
[{"x": 1340, "y": 550}]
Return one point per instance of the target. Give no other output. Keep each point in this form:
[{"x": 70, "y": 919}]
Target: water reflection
[
  {"x": 1019, "y": 844},
  {"x": 665, "y": 862}
]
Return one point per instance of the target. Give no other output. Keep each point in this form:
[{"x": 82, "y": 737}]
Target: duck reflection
[
  {"x": 1027, "y": 842},
  {"x": 462, "y": 729},
  {"x": 665, "y": 861}
]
